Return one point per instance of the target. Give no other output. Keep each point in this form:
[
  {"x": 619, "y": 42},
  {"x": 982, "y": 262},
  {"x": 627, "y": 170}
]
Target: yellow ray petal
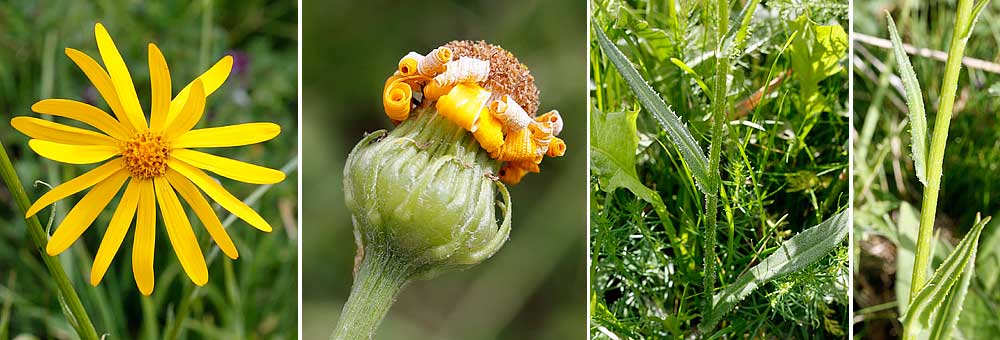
[
  {"x": 219, "y": 194},
  {"x": 115, "y": 233},
  {"x": 159, "y": 78},
  {"x": 204, "y": 211},
  {"x": 120, "y": 78},
  {"x": 84, "y": 213},
  {"x": 231, "y": 135},
  {"x": 180, "y": 234},
  {"x": 72, "y": 154},
  {"x": 75, "y": 185},
  {"x": 144, "y": 241},
  {"x": 85, "y": 113},
  {"x": 59, "y": 133},
  {"x": 190, "y": 114},
  {"x": 102, "y": 82},
  {"x": 211, "y": 79},
  {"x": 229, "y": 168}
]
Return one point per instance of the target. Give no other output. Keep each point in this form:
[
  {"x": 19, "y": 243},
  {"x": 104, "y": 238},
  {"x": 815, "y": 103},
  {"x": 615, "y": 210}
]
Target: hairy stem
[
  {"x": 377, "y": 282},
  {"x": 73, "y": 308},
  {"x": 939, "y": 139},
  {"x": 718, "y": 117}
]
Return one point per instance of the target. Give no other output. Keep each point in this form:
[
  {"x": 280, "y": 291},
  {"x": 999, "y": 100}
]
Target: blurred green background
[
  {"x": 252, "y": 297},
  {"x": 887, "y": 194},
  {"x": 534, "y": 287}
]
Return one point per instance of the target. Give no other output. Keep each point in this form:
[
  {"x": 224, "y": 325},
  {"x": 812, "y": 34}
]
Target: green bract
[{"x": 424, "y": 194}]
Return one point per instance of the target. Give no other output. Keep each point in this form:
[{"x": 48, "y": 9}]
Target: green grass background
[
  {"x": 533, "y": 288},
  {"x": 775, "y": 185},
  {"x": 252, "y": 297}
]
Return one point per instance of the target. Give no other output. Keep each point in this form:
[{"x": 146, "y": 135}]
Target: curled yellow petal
[
  {"x": 510, "y": 113},
  {"x": 512, "y": 173},
  {"x": 557, "y": 148},
  {"x": 518, "y": 146},
  {"x": 489, "y": 134},
  {"x": 464, "y": 70},
  {"x": 433, "y": 63},
  {"x": 72, "y": 154},
  {"x": 464, "y": 105},
  {"x": 396, "y": 100},
  {"x": 552, "y": 120},
  {"x": 433, "y": 91},
  {"x": 408, "y": 65}
]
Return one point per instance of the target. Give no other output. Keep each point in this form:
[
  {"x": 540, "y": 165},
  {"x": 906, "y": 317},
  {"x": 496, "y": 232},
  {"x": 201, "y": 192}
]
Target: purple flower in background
[{"x": 241, "y": 61}]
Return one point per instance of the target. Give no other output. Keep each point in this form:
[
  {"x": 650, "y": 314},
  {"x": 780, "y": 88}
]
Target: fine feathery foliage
[
  {"x": 796, "y": 253},
  {"x": 692, "y": 154},
  {"x": 934, "y": 311},
  {"x": 914, "y": 101}
]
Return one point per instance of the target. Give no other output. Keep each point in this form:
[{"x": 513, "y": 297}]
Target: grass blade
[
  {"x": 741, "y": 31},
  {"x": 678, "y": 134},
  {"x": 934, "y": 311},
  {"x": 798, "y": 252},
  {"x": 915, "y": 102},
  {"x": 694, "y": 74}
]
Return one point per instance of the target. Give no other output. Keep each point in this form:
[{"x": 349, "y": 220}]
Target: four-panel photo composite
[{"x": 492, "y": 170}]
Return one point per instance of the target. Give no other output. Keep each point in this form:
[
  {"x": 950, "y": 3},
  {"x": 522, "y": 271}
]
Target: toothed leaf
[
  {"x": 691, "y": 153},
  {"x": 798, "y": 252},
  {"x": 915, "y": 102}
]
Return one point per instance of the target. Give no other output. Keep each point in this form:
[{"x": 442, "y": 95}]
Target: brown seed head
[{"x": 507, "y": 75}]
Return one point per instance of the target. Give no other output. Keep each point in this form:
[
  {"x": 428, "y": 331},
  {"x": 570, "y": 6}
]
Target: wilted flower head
[
  {"x": 488, "y": 92},
  {"x": 425, "y": 192}
]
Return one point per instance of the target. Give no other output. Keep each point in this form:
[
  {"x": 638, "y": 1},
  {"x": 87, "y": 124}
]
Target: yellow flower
[{"x": 155, "y": 159}]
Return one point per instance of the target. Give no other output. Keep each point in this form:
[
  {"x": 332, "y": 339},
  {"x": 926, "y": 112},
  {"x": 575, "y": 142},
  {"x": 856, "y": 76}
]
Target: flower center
[{"x": 145, "y": 156}]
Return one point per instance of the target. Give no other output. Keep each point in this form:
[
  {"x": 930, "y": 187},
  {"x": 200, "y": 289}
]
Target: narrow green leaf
[
  {"x": 691, "y": 153},
  {"x": 690, "y": 71},
  {"x": 915, "y": 102},
  {"x": 975, "y": 17},
  {"x": 796, "y": 253},
  {"x": 934, "y": 312},
  {"x": 742, "y": 30}
]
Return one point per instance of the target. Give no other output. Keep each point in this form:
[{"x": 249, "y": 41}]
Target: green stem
[
  {"x": 376, "y": 285},
  {"x": 939, "y": 139},
  {"x": 715, "y": 150},
  {"x": 74, "y": 310}
]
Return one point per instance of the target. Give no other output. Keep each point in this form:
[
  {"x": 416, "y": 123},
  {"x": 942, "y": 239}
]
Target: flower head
[
  {"x": 154, "y": 158},
  {"x": 485, "y": 90}
]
